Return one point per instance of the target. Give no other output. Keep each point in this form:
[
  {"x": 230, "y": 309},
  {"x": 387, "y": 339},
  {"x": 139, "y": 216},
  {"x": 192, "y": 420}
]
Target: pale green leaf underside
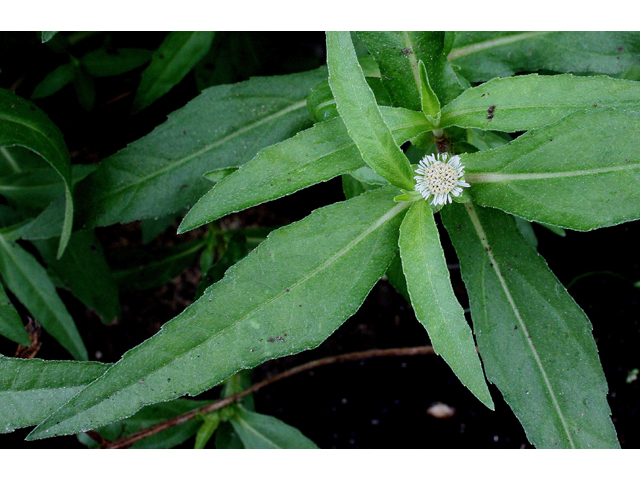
[
  {"x": 23, "y": 124},
  {"x": 535, "y": 342},
  {"x": 225, "y": 126},
  {"x": 434, "y": 302},
  {"x": 484, "y": 55},
  {"x": 579, "y": 173},
  {"x": 28, "y": 280},
  {"x": 31, "y": 390},
  {"x": 312, "y": 156},
  {"x": 361, "y": 115},
  {"x": 264, "y": 431},
  {"x": 532, "y": 101},
  {"x": 286, "y": 296}
]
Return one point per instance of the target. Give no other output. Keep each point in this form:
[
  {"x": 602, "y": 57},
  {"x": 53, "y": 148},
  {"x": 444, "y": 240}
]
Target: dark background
[{"x": 377, "y": 403}]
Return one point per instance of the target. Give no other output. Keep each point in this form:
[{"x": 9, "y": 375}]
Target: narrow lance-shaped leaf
[
  {"x": 361, "y": 115},
  {"x": 28, "y": 280},
  {"x": 535, "y": 342},
  {"x": 398, "y": 54},
  {"x": 32, "y": 389},
  {"x": 485, "y": 55},
  {"x": 176, "y": 56},
  {"x": 533, "y": 101},
  {"x": 11, "y": 325},
  {"x": 84, "y": 269},
  {"x": 225, "y": 126},
  {"x": 580, "y": 173},
  {"x": 312, "y": 156},
  {"x": 22, "y": 123},
  {"x": 264, "y": 431},
  {"x": 104, "y": 63},
  {"x": 434, "y": 302},
  {"x": 54, "y": 81},
  {"x": 287, "y": 295}
]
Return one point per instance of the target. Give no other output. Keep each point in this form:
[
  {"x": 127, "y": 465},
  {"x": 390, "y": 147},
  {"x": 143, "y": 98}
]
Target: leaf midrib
[
  {"x": 496, "y": 177},
  {"x": 523, "y": 328},
  {"x": 248, "y": 426},
  {"x": 475, "y": 47}
]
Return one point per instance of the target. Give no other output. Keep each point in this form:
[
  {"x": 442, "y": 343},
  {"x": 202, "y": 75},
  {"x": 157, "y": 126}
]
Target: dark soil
[{"x": 378, "y": 403}]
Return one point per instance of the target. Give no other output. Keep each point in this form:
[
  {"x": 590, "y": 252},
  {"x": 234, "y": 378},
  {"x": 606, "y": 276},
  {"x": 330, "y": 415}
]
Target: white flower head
[{"x": 440, "y": 176}]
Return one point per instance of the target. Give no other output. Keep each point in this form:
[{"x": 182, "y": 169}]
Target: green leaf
[
  {"x": 105, "y": 63},
  {"x": 535, "y": 342},
  {"x": 54, "y": 81},
  {"x": 361, "y": 115},
  {"x": 236, "y": 250},
  {"x": 28, "y": 280},
  {"x": 267, "y": 306},
  {"x": 429, "y": 101},
  {"x": 206, "y": 430},
  {"x": 47, "y": 223},
  {"x": 312, "y": 156},
  {"x": 398, "y": 54},
  {"x": 22, "y": 123},
  {"x": 176, "y": 56},
  {"x": 225, "y": 126},
  {"x": 533, "y": 101},
  {"x": 579, "y": 173},
  {"x": 36, "y": 188},
  {"x": 434, "y": 302},
  {"x": 139, "y": 269},
  {"x": 322, "y": 105},
  {"x": 227, "y": 438},
  {"x": 396, "y": 278},
  {"x": 32, "y": 389},
  {"x": 152, "y": 227},
  {"x": 46, "y": 36},
  {"x": 85, "y": 90},
  {"x": 264, "y": 431},
  {"x": 85, "y": 271},
  {"x": 11, "y": 325},
  {"x": 484, "y": 55}
]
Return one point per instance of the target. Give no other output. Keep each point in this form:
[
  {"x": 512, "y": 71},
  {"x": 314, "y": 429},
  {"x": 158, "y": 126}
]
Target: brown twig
[
  {"x": 34, "y": 330},
  {"x": 212, "y": 407}
]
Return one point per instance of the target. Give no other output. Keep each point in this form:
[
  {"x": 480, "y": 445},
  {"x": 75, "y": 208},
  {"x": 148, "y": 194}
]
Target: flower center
[{"x": 441, "y": 177}]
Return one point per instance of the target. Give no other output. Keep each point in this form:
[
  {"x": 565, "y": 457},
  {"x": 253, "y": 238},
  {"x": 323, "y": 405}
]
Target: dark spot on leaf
[
  {"x": 551, "y": 139},
  {"x": 516, "y": 327},
  {"x": 271, "y": 340},
  {"x": 287, "y": 290},
  {"x": 595, "y": 104},
  {"x": 627, "y": 160},
  {"x": 33, "y": 109},
  {"x": 619, "y": 49},
  {"x": 407, "y": 51},
  {"x": 168, "y": 379},
  {"x": 184, "y": 132},
  {"x": 161, "y": 57}
]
